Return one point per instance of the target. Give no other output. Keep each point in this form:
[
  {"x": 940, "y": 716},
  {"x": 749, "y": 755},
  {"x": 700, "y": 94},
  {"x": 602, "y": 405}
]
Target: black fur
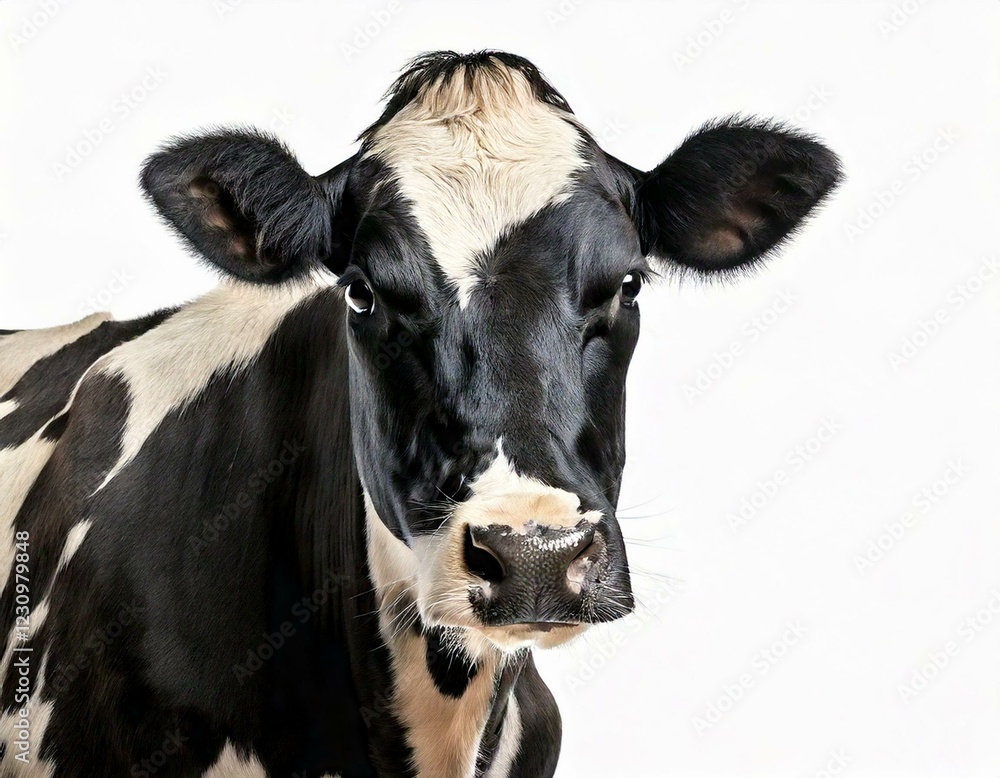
[
  {"x": 241, "y": 199},
  {"x": 732, "y": 192},
  {"x": 447, "y": 663}
]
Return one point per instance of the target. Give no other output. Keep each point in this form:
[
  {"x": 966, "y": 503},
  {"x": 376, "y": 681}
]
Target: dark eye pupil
[
  {"x": 360, "y": 298},
  {"x": 631, "y": 285}
]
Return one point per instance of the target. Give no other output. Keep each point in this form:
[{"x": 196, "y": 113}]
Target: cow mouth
[
  {"x": 546, "y": 626},
  {"x": 538, "y": 634}
]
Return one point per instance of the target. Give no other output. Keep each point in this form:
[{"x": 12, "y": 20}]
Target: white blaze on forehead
[
  {"x": 232, "y": 764},
  {"x": 170, "y": 365},
  {"x": 476, "y": 159},
  {"x": 19, "y": 351}
]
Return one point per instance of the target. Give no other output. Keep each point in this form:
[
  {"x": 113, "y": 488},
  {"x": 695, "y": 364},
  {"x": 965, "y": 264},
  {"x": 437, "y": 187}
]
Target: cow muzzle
[{"x": 542, "y": 577}]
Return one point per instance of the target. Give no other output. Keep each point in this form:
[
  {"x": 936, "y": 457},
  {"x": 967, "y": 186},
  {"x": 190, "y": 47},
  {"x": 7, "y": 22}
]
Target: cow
[{"x": 315, "y": 522}]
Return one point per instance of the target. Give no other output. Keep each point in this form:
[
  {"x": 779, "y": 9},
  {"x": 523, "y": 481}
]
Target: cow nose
[{"x": 551, "y": 560}]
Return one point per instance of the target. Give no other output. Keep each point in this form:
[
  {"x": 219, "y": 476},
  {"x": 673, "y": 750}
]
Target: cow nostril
[
  {"x": 584, "y": 549},
  {"x": 580, "y": 568},
  {"x": 482, "y": 562}
]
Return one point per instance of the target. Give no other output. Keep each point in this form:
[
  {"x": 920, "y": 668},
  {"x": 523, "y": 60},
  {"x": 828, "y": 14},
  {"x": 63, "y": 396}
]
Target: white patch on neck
[
  {"x": 230, "y": 764},
  {"x": 444, "y": 732},
  {"x": 21, "y": 350},
  {"x": 475, "y": 160},
  {"x": 510, "y": 741},
  {"x": 222, "y": 332}
]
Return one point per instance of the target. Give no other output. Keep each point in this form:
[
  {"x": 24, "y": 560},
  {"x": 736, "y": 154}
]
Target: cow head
[{"x": 490, "y": 255}]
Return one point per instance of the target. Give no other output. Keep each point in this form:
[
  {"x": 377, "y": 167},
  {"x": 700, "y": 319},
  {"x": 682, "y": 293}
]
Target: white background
[{"x": 882, "y": 83}]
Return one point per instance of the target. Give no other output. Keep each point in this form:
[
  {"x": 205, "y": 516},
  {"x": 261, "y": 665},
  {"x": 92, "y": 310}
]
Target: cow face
[{"x": 490, "y": 256}]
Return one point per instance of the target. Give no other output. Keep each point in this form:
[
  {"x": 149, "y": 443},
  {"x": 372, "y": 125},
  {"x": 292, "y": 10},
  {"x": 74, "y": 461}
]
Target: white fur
[
  {"x": 231, "y": 765},
  {"x": 20, "y": 467},
  {"x": 8, "y": 407},
  {"x": 503, "y": 496},
  {"x": 18, "y": 352},
  {"x": 510, "y": 741},
  {"x": 170, "y": 365},
  {"x": 474, "y": 162},
  {"x": 74, "y": 539}
]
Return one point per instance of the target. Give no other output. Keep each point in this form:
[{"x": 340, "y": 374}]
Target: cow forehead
[{"x": 476, "y": 154}]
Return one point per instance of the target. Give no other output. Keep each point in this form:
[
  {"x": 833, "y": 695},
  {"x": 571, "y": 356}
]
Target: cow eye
[
  {"x": 360, "y": 297},
  {"x": 631, "y": 286}
]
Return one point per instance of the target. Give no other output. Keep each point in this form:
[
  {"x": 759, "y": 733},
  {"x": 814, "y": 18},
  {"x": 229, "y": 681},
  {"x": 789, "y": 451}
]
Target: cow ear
[
  {"x": 731, "y": 193},
  {"x": 242, "y": 201}
]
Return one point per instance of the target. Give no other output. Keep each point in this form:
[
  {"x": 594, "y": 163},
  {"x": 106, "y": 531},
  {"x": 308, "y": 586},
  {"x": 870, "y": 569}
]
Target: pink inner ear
[
  {"x": 730, "y": 237},
  {"x": 238, "y": 247},
  {"x": 206, "y": 192},
  {"x": 214, "y": 217},
  {"x": 723, "y": 242},
  {"x": 746, "y": 218}
]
